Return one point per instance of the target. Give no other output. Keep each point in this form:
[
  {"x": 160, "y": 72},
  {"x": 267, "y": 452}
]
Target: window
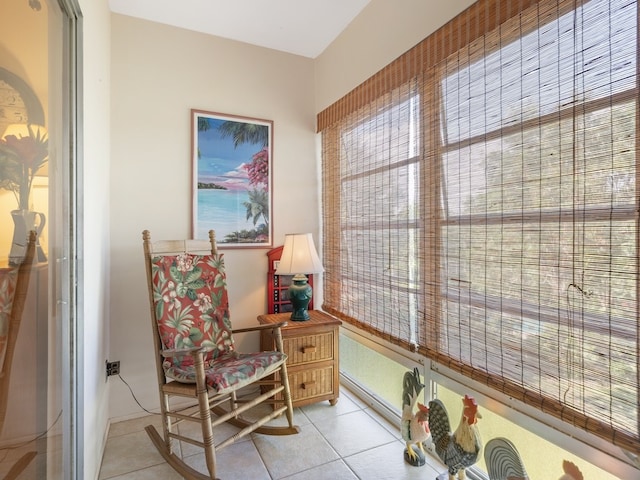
[
  {"x": 378, "y": 220},
  {"x": 538, "y": 231},
  {"x": 481, "y": 206}
]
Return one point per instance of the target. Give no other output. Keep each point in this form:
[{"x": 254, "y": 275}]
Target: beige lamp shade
[{"x": 299, "y": 255}]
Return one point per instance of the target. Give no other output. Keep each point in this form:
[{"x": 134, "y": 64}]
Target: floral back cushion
[{"x": 191, "y": 306}]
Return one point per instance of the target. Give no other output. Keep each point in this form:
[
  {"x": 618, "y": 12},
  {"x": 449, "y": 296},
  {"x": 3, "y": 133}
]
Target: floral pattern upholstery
[
  {"x": 232, "y": 370},
  {"x": 192, "y": 310},
  {"x": 8, "y": 281}
]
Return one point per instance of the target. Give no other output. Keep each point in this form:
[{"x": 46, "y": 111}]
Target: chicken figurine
[
  {"x": 460, "y": 449},
  {"x": 571, "y": 471},
  {"x": 414, "y": 426},
  {"x": 503, "y": 460},
  {"x": 504, "y": 463}
]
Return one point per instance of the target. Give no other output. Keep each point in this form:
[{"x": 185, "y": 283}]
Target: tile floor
[{"x": 345, "y": 442}]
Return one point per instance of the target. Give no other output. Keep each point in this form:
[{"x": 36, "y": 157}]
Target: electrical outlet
[{"x": 113, "y": 368}]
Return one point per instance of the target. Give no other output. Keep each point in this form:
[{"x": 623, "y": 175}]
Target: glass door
[{"x": 37, "y": 131}]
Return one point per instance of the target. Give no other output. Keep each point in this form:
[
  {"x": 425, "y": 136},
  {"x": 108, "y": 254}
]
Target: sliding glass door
[{"x": 38, "y": 42}]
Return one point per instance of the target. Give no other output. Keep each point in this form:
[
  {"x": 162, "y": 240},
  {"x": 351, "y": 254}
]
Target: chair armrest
[
  {"x": 276, "y": 328},
  {"x": 269, "y": 326}
]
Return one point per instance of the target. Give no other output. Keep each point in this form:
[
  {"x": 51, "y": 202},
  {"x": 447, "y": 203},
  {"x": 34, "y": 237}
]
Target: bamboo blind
[{"x": 481, "y": 207}]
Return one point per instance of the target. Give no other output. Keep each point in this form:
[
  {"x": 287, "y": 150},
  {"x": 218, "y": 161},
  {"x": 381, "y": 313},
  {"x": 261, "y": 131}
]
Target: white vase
[{"x": 23, "y": 222}]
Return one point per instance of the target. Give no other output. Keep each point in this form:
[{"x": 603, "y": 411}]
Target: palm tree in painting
[
  {"x": 258, "y": 170},
  {"x": 257, "y": 206},
  {"x": 203, "y": 124},
  {"x": 245, "y": 133}
]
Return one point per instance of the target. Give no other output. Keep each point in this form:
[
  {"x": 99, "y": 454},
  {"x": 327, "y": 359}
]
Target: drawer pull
[
  {"x": 311, "y": 349},
  {"x": 308, "y": 384}
]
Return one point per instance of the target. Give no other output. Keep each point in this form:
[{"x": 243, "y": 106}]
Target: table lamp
[{"x": 299, "y": 257}]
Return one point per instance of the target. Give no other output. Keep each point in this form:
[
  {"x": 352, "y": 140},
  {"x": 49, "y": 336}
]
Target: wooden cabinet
[
  {"x": 313, "y": 351},
  {"x": 277, "y": 285}
]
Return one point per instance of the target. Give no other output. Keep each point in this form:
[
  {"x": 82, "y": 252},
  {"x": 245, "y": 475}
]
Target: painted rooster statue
[
  {"x": 504, "y": 463},
  {"x": 414, "y": 426},
  {"x": 503, "y": 460},
  {"x": 571, "y": 471},
  {"x": 460, "y": 449}
]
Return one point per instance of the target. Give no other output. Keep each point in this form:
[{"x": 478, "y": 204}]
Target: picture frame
[{"x": 232, "y": 158}]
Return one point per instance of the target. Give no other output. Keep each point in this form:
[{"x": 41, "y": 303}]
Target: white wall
[
  {"x": 382, "y": 32},
  {"x": 94, "y": 342},
  {"x": 158, "y": 74}
]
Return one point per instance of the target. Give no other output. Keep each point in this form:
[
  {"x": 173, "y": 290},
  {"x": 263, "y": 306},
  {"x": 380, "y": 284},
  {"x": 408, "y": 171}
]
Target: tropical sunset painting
[{"x": 232, "y": 179}]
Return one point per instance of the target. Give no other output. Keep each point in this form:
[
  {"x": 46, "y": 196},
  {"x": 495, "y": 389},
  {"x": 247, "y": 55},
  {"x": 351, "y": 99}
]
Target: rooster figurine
[
  {"x": 504, "y": 463},
  {"x": 503, "y": 460},
  {"x": 414, "y": 426},
  {"x": 571, "y": 471},
  {"x": 460, "y": 449}
]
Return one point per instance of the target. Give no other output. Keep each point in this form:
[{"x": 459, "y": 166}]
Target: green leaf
[
  {"x": 182, "y": 289},
  {"x": 193, "y": 275},
  {"x": 195, "y": 335},
  {"x": 175, "y": 274},
  {"x": 159, "y": 309},
  {"x": 191, "y": 293},
  {"x": 219, "y": 282},
  {"x": 216, "y": 298},
  {"x": 197, "y": 284}
]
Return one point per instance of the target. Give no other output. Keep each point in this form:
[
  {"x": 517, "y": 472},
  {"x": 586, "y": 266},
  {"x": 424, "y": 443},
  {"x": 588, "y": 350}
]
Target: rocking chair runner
[{"x": 196, "y": 358}]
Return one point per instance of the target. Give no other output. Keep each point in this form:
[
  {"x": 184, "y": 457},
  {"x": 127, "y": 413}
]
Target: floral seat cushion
[{"x": 232, "y": 370}]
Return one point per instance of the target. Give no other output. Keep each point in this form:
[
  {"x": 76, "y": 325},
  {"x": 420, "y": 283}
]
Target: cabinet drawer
[
  {"x": 311, "y": 383},
  {"x": 309, "y": 348}
]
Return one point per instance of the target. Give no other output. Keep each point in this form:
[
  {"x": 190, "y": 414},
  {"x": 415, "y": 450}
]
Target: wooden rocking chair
[
  {"x": 13, "y": 295},
  {"x": 196, "y": 360}
]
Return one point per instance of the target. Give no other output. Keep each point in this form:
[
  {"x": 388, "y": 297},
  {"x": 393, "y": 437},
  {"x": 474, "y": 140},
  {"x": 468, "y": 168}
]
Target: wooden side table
[{"x": 313, "y": 351}]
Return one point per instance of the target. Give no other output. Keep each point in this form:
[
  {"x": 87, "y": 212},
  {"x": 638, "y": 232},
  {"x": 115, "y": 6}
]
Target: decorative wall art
[
  {"x": 232, "y": 181},
  {"x": 18, "y": 102}
]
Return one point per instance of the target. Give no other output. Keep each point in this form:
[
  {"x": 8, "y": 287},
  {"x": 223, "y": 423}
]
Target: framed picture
[{"x": 232, "y": 181}]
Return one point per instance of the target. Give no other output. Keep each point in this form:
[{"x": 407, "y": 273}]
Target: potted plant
[{"x": 23, "y": 151}]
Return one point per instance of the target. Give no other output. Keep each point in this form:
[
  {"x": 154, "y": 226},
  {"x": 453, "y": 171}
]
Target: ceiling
[{"x": 301, "y": 27}]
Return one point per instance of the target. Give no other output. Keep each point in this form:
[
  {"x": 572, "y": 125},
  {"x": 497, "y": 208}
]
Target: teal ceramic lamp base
[
  {"x": 298, "y": 257},
  {"x": 300, "y": 294}
]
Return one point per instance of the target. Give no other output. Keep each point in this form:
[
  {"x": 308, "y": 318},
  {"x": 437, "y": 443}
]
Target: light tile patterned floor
[{"x": 345, "y": 442}]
